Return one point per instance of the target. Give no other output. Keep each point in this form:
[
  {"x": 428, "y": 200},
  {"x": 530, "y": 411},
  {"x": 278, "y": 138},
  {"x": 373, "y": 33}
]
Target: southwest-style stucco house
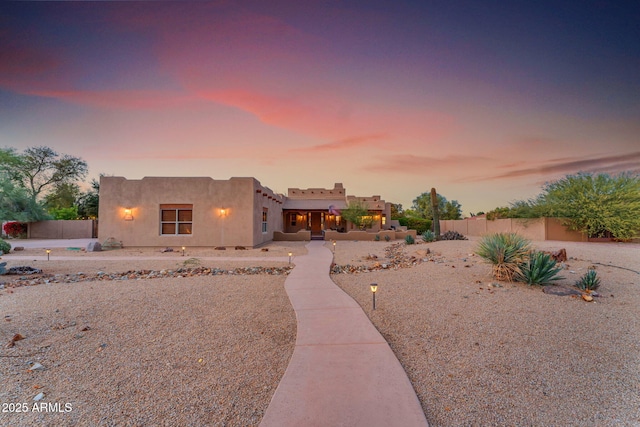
[{"x": 201, "y": 211}]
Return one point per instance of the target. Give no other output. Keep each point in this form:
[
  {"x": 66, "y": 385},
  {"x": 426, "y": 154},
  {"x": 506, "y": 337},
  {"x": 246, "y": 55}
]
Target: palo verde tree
[
  {"x": 447, "y": 209},
  {"x": 38, "y": 169},
  {"x": 595, "y": 204},
  {"x": 358, "y": 214}
]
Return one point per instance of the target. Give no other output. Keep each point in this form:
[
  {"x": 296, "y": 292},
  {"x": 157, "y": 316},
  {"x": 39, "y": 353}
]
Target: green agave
[
  {"x": 589, "y": 281},
  {"x": 539, "y": 269}
]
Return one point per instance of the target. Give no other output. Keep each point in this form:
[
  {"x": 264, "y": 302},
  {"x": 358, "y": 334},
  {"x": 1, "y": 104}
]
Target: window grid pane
[{"x": 176, "y": 221}]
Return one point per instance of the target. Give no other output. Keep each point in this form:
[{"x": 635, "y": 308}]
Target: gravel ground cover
[
  {"x": 188, "y": 351},
  {"x": 486, "y": 353},
  {"x": 210, "y": 350}
]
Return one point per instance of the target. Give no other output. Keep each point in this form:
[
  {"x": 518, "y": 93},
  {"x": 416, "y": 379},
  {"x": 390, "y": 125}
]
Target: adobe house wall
[{"x": 208, "y": 196}]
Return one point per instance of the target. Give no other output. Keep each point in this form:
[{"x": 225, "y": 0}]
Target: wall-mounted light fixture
[
  {"x": 224, "y": 212},
  {"x": 128, "y": 214}
]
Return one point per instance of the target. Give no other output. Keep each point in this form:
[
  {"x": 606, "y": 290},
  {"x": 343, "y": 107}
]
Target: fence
[
  {"x": 531, "y": 228},
  {"x": 63, "y": 229}
]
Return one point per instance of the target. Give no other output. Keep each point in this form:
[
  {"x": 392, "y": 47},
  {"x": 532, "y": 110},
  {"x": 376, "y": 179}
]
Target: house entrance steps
[{"x": 342, "y": 371}]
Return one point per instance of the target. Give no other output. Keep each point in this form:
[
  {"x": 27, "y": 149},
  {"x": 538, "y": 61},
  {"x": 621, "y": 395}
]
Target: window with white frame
[
  {"x": 264, "y": 220},
  {"x": 176, "y": 219}
]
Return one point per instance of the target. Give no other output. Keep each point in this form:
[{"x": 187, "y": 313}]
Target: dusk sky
[{"x": 483, "y": 100}]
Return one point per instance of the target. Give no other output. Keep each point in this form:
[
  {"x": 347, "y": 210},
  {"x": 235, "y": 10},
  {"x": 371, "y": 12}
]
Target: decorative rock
[
  {"x": 220, "y": 248},
  {"x": 39, "y": 397},
  {"x": 36, "y": 367},
  {"x": 24, "y": 270},
  {"x": 94, "y": 247},
  {"x": 18, "y": 248},
  {"x": 587, "y": 298},
  {"x": 240, "y": 248}
]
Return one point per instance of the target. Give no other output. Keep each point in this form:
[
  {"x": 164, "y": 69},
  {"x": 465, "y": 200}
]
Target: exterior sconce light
[
  {"x": 223, "y": 212},
  {"x": 48, "y": 251},
  {"x": 128, "y": 216},
  {"x": 290, "y": 255},
  {"x": 183, "y": 248},
  {"x": 374, "y": 289}
]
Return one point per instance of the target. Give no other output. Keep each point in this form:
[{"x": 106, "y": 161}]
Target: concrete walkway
[{"x": 342, "y": 372}]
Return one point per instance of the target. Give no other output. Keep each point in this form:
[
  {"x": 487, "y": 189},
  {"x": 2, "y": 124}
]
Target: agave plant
[
  {"x": 506, "y": 251},
  {"x": 428, "y": 236},
  {"x": 538, "y": 269},
  {"x": 589, "y": 281}
]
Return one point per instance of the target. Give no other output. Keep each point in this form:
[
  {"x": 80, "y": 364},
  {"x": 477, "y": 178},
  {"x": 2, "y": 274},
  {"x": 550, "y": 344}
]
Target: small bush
[
  {"x": 15, "y": 229},
  {"x": 428, "y": 236},
  {"x": 506, "y": 251},
  {"x": 5, "y": 247},
  {"x": 452, "y": 235},
  {"x": 387, "y": 238},
  {"x": 539, "y": 269},
  {"x": 377, "y": 238},
  {"x": 589, "y": 281},
  {"x": 409, "y": 239},
  {"x": 419, "y": 224}
]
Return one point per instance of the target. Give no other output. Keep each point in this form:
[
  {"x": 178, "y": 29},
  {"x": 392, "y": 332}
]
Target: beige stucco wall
[
  {"x": 61, "y": 229},
  {"x": 534, "y": 228},
  {"x": 240, "y": 225},
  {"x": 557, "y": 231}
]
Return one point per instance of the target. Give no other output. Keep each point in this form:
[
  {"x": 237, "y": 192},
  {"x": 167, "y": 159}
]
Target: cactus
[{"x": 436, "y": 214}]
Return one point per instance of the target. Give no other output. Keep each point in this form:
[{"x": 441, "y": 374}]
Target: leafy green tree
[
  {"x": 64, "y": 195},
  {"x": 17, "y": 205},
  {"x": 448, "y": 209},
  {"x": 595, "y": 204},
  {"x": 88, "y": 202},
  {"x": 358, "y": 214},
  {"x": 396, "y": 211},
  {"x": 64, "y": 213},
  {"x": 39, "y": 168}
]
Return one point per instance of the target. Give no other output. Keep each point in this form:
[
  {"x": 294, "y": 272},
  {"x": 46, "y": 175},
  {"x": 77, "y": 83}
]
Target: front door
[{"x": 316, "y": 223}]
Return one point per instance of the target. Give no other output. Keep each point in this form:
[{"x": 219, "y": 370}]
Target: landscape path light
[
  {"x": 48, "y": 251},
  {"x": 183, "y": 248},
  {"x": 334, "y": 246},
  {"x": 290, "y": 255},
  {"x": 374, "y": 289}
]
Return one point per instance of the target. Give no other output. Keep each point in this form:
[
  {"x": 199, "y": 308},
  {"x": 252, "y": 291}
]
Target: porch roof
[{"x": 313, "y": 204}]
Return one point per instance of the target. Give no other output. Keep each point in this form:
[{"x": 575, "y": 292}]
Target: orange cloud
[{"x": 358, "y": 141}]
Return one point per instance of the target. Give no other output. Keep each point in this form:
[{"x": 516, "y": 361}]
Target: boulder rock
[{"x": 94, "y": 247}]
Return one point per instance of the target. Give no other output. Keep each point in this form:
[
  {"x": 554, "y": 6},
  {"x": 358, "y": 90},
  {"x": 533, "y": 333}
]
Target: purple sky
[{"x": 483, "y": 100}]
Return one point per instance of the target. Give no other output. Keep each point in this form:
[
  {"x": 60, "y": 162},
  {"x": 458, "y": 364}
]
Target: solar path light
[{"x": 374, "y": 289}]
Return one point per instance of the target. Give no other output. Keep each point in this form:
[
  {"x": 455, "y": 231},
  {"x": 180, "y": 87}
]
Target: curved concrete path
[{"x": 342, "y": 372}]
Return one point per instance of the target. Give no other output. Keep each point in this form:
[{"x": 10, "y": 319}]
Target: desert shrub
[
  {"x": 538, "y": 269},
  {"x": 409, "y": 239},
  {"x": 419, "y": 224},
  {"x": 589, "y": 281},
  {"x": 5, "y": 247},
  {"x": 452, "y": 235},
  {"x": 506, "y": 251},
  {"x": 428, "y": 236},
  {"x": 377, "y": 238},
  {"x": 387, "y": 238},
  {"x": 15, "y": 229}
]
